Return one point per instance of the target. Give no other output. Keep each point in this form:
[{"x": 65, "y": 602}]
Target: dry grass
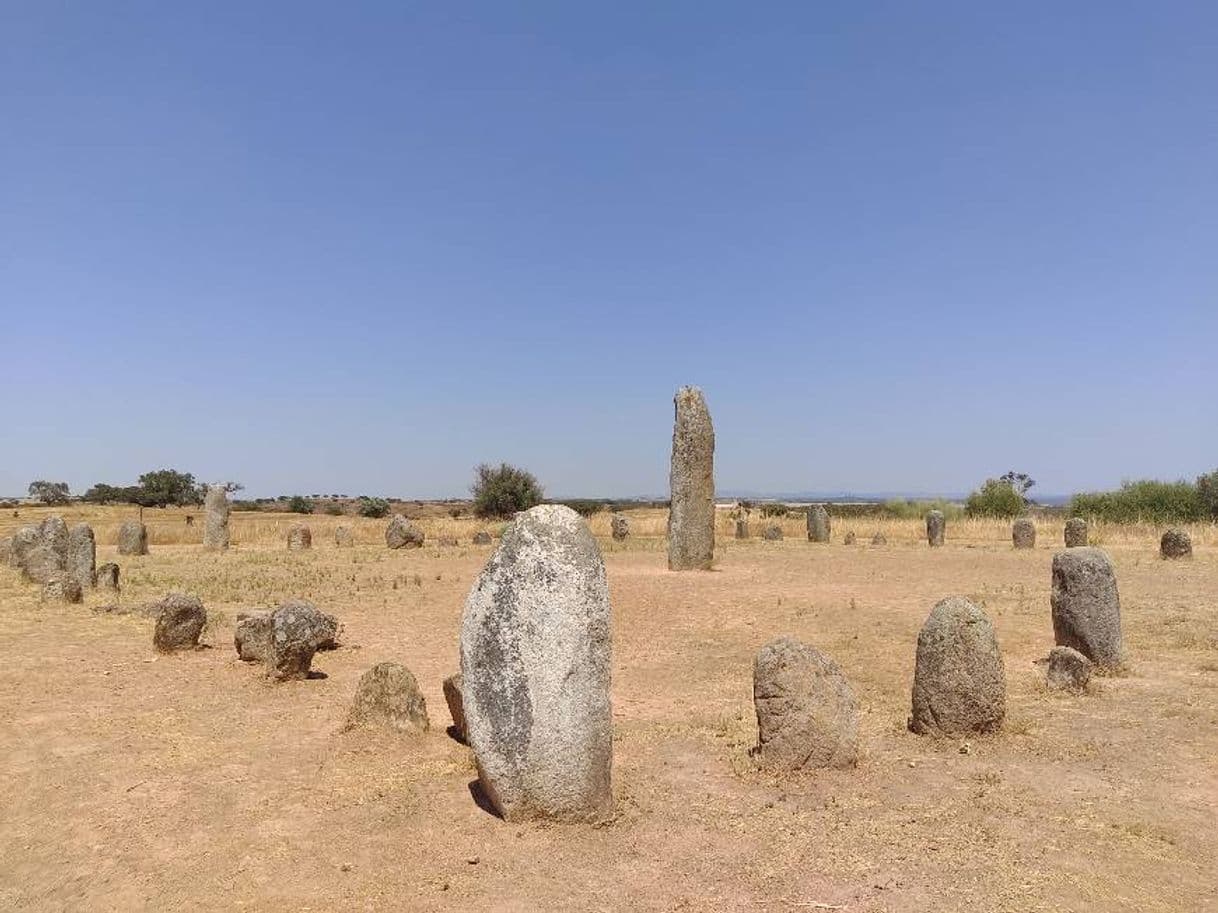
[{"x": 132, "y": 781}]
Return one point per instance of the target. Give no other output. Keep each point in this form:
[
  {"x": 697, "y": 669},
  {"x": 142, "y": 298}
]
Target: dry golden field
[{"x": 132, "y": 781}]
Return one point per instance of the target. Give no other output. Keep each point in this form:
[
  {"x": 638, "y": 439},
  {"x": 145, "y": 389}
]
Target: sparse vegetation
[
  {"x": 50, "y": 493},
  {"x": 774, "y": 509},
  {"x": 376, "y": 508},
  {"x": 504, "y": 490},
  {"x": 1144, "y": 501},
  {"x": 585, "y": 507},
  {"x": 999, "y": 497}
]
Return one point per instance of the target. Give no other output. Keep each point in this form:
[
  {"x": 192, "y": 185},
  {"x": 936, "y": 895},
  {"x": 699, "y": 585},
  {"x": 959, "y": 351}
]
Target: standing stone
[
  {"x": 44, "y": 557},
  {"x": 850, "y": 539},
  {"x": 215, "y": 519},
  {"x": 106, "y": 577},
  {"x": 691, "y": 516},
  {"x": 62, "y": 589},
  {"x": 1075, "y": 532},
  {"x": 935, "y": 526},
  {"x": 179, "y": 622},
  {"x": 133, "y": 538},
  {"x": 24, "y": 542},
  {"x": 620, "y": 526},
  {"x": 6, "y": 550},
  {"x": 879, "y": 539},
  {"x": 959, "y": 680},
  {"x": 807, "y": 715},
  {"x": 388, "y": 696},
  {"x": 772, "y": 533},
  {"x": 742, "y": 528},
  {"x": 819, "y": 525},
  {"x": 294, "y": 638},
  {"x": 1176, "y": 543},
  {"x": 535, "y": 667},
  {"x": 482, "y": 537},
  {"x": 1068, "y": 670},
  {"x": 452, "y": 697},
  {"x": 343, "y": 537},
  {"x": 1023, "y": 533},
  {"x": 401, "y": 533},
  {"x": 252, "y": 636},
  {"x": 1086, "y": 606},
  {"x": 299, "y": 538},
  {"x": 82, "y": 555}
]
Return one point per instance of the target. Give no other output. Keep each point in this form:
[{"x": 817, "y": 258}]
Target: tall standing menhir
[{"x": 691, "y": 516}]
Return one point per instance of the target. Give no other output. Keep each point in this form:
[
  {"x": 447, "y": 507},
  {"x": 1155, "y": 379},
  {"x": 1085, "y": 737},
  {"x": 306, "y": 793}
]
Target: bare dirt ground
[{"x": 131, "y": 781}]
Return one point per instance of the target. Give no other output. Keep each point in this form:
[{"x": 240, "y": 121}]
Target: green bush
[
  {"x": 995, "y": 498},
  {"x": 376, "y": 508},
  {"x": 299, "y": 505},
  {"x": 502, "y": 491},
  {"x": 774, "y": 509},
  {"x": 1207, "y": 495},
  {"x": 1142, "y": 501}
]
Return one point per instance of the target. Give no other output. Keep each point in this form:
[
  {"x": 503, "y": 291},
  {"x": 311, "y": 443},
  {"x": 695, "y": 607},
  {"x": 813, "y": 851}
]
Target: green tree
[
  {"x": 995, "y": 498},
  {"x": 503, "y": 490},
  {"x": 168, "y": 486},
  {"x": 1207, "y": 494},
  {"x": 53, "y": 493}
]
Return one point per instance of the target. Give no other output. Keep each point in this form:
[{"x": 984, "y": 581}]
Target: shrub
[
  {"x": 376, "y": 508},
  {"x": 502, "y": 491},
  {"x": 248, "y": 506},
  {"x": 333, "y": 509},
  {"x": 52, "y": 493},
  {"x": 995, "y": 498},
  {"x": 1207, "y": 495},
  {"x": 774, "y": 509},
  {"x": 1144, "y": 500},
  {"x": 299, "y": 505}
]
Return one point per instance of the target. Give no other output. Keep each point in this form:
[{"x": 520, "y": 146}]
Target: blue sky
[{"x": 363, "y": 247}]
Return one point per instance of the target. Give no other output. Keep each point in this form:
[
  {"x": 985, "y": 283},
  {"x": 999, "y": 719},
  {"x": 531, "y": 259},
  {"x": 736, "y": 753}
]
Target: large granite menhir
[
  {"x": 535, "y": 670},
  {"x": 691, "y": 516}
]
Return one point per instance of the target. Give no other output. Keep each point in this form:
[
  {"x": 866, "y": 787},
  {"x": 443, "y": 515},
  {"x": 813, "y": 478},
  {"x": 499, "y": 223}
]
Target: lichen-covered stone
[
  {"x": 1176, "y": 543},
  {"x": 106, "y": 576},
  {"x": 772, "y": 533},
  {"x": 1075, "y": 532},
  {"x": 1023, "y": 533},
  {"x": 691, "y": 515},
  {"x": 215, "y": 518},
  {"x": 456, "y": 709},
  {"x": 388, "y": 696},
  {"x": 959, "y": 679},
  {"x": 1086, "y": 605},
  {"x": 179, "y": 622},
  {"x": 298, "y": 630},
  {"x": 619, "y": 525},
  {"x": 807, "y": 715},
  {"x": 82, "y": 555},
  {"x": 936, "y": 526},
  {"x": 1068, "y": 670},
  {"x": 133, "y": 538},
  {"x": 819, "y": 525},
  {"x": 343, "y": 537},
  {"x": 401, "y": 533},
  {"x": 535, "y": 665},
  {"x": 62, "y": 589},
  {"x": 300, "y": 538}
]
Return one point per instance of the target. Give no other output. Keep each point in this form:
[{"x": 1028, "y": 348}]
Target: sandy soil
[{"x": 130, "y": 781}]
